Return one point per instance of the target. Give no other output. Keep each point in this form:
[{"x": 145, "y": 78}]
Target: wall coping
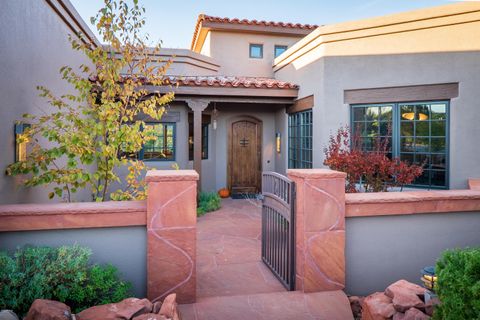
[
  {"x": 411, "y": 202},
  {"x": 315, "y": 173},
  {"x": 23, "y": 217},
  {"x": 171, "y": 175}
]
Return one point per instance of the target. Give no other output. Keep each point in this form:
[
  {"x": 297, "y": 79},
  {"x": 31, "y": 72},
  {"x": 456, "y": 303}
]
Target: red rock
[
  {"x": 377, "y": 307},
  {"x": 430, "y": 306},
  {"x": 156, "y": 307},
  {"x": 150, "y": 316},
  {"x": 415, "y": 314},
  {"x": 125, "y": 309},
  {"x": 405, "y": 294},
  {"x": 169, "y": 307},
  {"x": 42, "y": 309}
]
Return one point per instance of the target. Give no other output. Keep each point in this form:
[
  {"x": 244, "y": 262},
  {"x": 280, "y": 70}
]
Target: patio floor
[{"x": 233, "y": 282}]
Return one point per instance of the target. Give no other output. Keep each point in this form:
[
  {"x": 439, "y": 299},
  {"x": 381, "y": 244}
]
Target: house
[{"x": 259, "y": 96}]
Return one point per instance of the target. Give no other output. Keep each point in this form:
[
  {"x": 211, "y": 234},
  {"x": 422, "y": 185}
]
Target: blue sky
[{"x": 173, "y": 21}]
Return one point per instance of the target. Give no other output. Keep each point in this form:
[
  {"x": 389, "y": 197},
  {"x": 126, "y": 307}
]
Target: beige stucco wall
[
  {"x": 33, "y": 47},
  {"x": 231, "y": 51},
  {"x": 441, "y": 59}
]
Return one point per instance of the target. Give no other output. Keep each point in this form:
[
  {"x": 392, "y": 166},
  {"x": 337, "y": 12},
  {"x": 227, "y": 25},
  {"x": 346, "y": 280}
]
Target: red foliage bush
[{"x": 373, "y": 170}]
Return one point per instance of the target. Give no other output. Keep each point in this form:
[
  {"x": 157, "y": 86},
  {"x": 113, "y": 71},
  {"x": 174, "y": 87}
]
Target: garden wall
[{"x": 392, "y": 236}]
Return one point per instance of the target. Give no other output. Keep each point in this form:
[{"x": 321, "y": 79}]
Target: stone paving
[{"x": 232, "y": 281}]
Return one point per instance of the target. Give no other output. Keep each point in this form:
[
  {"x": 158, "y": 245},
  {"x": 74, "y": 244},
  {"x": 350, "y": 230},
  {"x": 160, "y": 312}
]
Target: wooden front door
[{"x": 245, "y": 163}]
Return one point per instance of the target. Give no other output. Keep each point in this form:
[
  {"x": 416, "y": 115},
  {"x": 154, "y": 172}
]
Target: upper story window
[
  {"x": 279, "y": 50},
  {"x": 417, "y": 132},
  {"x": 256, "y": 51}
]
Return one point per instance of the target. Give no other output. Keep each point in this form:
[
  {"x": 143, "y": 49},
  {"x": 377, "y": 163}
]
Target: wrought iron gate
[{"x": 278, "y": 227}]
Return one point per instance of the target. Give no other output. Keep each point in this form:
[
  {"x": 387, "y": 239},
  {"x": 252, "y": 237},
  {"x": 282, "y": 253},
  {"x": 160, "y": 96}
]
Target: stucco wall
[
  {"x": 34, "y": 46},
  {"x": 231, "y": 51},
  {"x": 123, "y": 247},
  {"x": 381, "y": 250},
  {"x": 328, "y": 77}
]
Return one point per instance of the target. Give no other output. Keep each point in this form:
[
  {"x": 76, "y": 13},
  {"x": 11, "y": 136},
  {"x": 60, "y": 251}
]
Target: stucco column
[
  {"x": 171, "y": 234},
  {"x": 320, "y": 229},
  {"x": 197, "y": 106}
]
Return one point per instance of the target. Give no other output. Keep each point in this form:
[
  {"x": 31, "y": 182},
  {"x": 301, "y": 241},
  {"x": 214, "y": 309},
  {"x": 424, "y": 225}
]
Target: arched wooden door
[{"x": 245, "y": 155}]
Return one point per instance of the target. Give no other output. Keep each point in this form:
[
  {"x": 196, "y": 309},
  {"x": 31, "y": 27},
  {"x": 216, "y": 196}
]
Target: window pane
[
  {"x": 372, "y": 113},
  {"x": 422, "y": 128},
  {"x": 300, "y": 140},
  {"x": 358, "y": 114},
  {"x": 439, "y": 128},
  {"x": 163, "y": 146},
  {"x": 422, "y": 144},
  {"x": 406, "y": 128},
  {"x": 279, "y": 50},
  {"x": 438, "y": 178},
  {"x": 439, "y": 111},
  {"x": 438, "y": 144},
  {"x": 256, "y": 51}
]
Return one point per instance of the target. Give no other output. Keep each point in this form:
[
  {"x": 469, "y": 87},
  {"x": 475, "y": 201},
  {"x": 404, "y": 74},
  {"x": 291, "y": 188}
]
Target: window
[
  {"x": 279, "y": 50},
  {"x": 417, "y": 131},
  {"x": 204, "y": 141},
  {"x": 163, "y": 147},
  {"x": 300, "y": 139},
  {"x": 256, "y": 51}
]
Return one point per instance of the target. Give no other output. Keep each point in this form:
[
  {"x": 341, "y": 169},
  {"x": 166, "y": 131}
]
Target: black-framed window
[
  {"x": 278, "y": 50},
  {"x": 300, "y": 142},
  {"x": 418, "y": 133},
  {"x": 204, "y": 141},
  {"x": 256, "y": 50},
  {"x": 163, "y": 147}
]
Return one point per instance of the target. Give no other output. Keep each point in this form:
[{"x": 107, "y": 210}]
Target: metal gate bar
[{"x": 278, "y": 227}]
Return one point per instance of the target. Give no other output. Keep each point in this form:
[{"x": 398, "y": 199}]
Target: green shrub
[
  {"x": 458, "y": 288},
  {"x": 208, "y": 201},
  {"x": 62, "y": 274}
]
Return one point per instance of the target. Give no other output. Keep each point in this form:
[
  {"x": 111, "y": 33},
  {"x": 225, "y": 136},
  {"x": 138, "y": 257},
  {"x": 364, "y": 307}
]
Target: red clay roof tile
[{"x": 231, "y": 81}]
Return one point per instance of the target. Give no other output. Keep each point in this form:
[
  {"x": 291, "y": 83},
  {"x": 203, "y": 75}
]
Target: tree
[{"x": 91, "y": 134}]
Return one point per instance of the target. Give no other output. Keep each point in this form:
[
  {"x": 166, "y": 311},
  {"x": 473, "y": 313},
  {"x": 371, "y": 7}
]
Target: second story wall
[{"x": 231, "y": 50}]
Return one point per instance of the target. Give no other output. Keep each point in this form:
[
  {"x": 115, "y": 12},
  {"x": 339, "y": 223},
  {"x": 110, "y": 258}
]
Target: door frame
[{"x": 230, "y": 149}]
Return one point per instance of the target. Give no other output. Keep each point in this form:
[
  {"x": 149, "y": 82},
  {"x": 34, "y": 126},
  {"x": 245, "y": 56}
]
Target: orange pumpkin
[{"x": 224, "y": 193}]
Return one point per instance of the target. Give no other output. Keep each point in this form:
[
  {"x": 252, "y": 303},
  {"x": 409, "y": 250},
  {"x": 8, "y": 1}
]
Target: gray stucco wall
[
  {"x": 33, "y": 47},
  {"x": 381, "y": 250},
  {"x": 124, "y": 247},
  {"x": 328, "y": 77}
]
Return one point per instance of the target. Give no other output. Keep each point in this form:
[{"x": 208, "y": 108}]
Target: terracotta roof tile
[
  {"x": 203, "y": 17},
  {"x": 230, "y": 81}
]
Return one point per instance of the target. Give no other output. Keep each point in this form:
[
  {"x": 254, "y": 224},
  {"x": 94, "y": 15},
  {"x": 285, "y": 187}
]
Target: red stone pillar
[
  {"x": 171, "y": 234},
  {"x": 320, "y": 229}
]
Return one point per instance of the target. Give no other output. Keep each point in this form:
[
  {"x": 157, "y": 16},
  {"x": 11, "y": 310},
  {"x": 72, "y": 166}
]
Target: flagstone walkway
[{"x": 232, "y": 281}]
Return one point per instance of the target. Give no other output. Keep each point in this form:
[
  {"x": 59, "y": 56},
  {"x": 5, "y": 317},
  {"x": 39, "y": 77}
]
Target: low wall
[
  {"x": 112, "y": 230},
  {"x": 392, "y": 236}
]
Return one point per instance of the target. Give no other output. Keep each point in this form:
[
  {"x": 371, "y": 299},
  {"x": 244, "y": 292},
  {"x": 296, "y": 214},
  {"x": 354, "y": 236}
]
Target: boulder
[
  {"x": 8, "y": 315},
  {"x": 377, "y": 307},
  {"x": 405, "y": 295},
  {"x": 169, "y": 307},
  {"x": 125, "y": 309},
  {"x": 411, "y": 314},
  {"x": 356, "y": 305},
  {"x": 42, "y": 309},
  {"x": 150, "y": 316}
]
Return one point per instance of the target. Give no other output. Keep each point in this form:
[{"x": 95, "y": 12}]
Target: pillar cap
[
  {"x": 171, "y": 175},
  {"x": 315, "y": 173}
]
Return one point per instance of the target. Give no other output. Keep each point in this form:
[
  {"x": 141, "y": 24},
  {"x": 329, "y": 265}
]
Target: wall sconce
[
  {"x": 214, "y": 116},
  {"x": 278, "y": 142},
  {"x": 21, "y": 141}
]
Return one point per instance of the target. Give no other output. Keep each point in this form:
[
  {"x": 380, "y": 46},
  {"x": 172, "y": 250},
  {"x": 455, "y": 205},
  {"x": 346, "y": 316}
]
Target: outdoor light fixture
[
  {"x": 214, "y": 116},
  {"x": 278, "y": 142},
  {"x": 20, "y": 142}
]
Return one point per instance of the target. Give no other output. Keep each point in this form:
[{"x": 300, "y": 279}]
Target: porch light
[
  {"x": 411, "y": 116},
  {"x": 278, "y": 141},
  {"x": 21, "y": 141},
  {"x": 214, "y": 116}
]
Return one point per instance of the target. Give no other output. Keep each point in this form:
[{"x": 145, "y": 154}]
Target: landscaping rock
[
  {"x": 150, "y": 316},
  {"x": 430, "y": 306},
  {"x": 125, "y": 309},
  {"x": 411, "y": 314},
  {"x": 377, "y": 307},
  {"x": 169, "y": 307},
  {"x": 405, "y": 295},
  {"x": 8, "y": 315},
  {"x": 356, "y": 305},
  {"x": 42, "y": 309}
]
